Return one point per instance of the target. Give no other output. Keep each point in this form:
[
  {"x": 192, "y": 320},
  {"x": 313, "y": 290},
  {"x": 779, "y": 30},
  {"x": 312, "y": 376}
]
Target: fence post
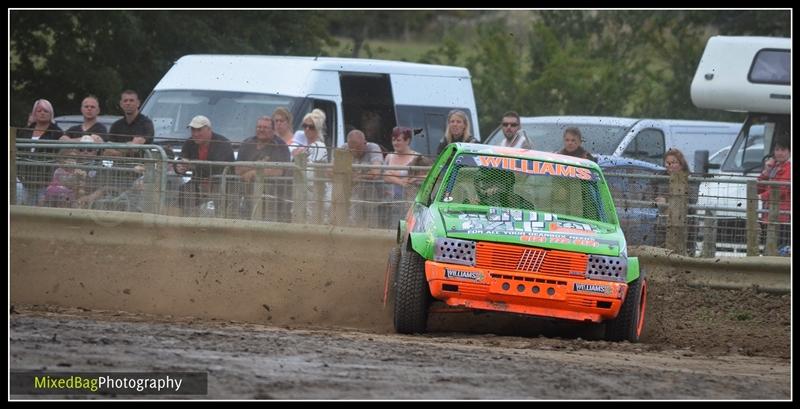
[
  {"x": 300, "y": 190},
  {"x": 771, "y": 244},
  {"x": 342, "y": 186},
  {"x": 12, "y": 163},
  {"x": 232, "y": 189},
  {"x": 709, "y": 234},
  {"x": 152, "y": 201},
  {"x": 751, "y": 223},
  {"x": 318, "y": 206},
  {"x": 678, "y": 207},
  {"x": 258, "y": 195}
]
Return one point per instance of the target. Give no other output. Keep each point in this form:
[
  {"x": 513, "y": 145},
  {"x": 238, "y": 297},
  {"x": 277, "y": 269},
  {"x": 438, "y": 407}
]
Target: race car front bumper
[{"x": 577, "y": 298}]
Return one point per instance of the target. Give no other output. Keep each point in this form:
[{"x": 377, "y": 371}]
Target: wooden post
[
  {"x": 318, "y": 208},
  {"x": 771, "y": 244},
  {"x": 678, "y": 207},
  {"x": 300, "y": 189},
  {"x": 752, "y": 230},
  {"x": 342, "y": 186},
  {"x": 12, "y": 163},
  {"x": 709, "y": 234}
]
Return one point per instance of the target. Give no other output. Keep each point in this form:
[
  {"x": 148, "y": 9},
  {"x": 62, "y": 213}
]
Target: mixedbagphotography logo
[{"x": 108, "y": 383}]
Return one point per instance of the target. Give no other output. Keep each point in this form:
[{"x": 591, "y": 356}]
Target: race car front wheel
[
  {"x": 392, "y": 264},
  {"x": 412, "y": 296},
  {"x": 629, "y": 323}
]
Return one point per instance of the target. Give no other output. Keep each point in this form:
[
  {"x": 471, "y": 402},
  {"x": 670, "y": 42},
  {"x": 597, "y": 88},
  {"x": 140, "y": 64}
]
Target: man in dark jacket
[
  {"x": 572, "y": 145},
  {"x": 203, "y": 145}
]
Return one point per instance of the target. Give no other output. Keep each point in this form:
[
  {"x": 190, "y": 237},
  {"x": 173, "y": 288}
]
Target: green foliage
[
  {"x": 63, "y": 55},
  {"x": 617, "y": 63},
  {"x": 636, "y": 63},
  {"x": 497, "y": 74},
  {"x": 359, "y": 26}
]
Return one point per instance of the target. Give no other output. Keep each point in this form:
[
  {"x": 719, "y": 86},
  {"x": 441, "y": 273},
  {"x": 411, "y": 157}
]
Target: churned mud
[{"x": 699, "y": 343}]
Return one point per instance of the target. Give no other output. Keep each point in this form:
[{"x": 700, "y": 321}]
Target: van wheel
[
  {"x": 629, "y": 324},
  {"x": 412, "y": 296},
  {"x": 392, "y": 264}
]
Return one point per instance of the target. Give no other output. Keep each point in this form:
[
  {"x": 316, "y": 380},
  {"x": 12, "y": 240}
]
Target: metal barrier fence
[
  {"x": 701, "y": 216},
  {"x": 669, "y": 212}
]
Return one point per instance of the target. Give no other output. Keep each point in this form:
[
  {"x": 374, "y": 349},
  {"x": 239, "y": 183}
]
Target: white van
[
  {"x": 641, "y": 139},
  {"x": 371, "y": 95},
  {"x": 744, "y": 74}
]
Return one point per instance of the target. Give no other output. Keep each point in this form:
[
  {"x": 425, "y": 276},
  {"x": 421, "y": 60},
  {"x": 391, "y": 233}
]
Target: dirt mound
[
  {"x": 745, "y": 321},
  {"x": 701, "y": 319}
]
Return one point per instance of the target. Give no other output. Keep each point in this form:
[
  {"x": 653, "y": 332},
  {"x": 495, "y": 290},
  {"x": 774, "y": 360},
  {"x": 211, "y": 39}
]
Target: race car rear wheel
[
  {"x": 629, "y": 323},
  {"x": 412, "y": 296}
]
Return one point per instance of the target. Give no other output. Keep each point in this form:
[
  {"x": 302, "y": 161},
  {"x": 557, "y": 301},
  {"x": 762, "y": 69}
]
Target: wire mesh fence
[{"x": 700, "y": 217}]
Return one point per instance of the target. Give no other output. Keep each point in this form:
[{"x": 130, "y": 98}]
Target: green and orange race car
[{"x": 518, "y": 231}]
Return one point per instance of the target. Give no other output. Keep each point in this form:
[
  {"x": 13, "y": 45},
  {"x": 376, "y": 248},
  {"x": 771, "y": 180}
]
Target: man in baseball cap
[
  {"x": 198, "y": 122},
  {"x": 205, "y": 145}
]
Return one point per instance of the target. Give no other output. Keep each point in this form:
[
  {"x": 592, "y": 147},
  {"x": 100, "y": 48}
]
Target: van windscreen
[{"x": 232, "y": 114}]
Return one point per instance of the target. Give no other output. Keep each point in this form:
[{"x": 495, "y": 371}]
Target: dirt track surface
[{"x": 699, "y": 343}]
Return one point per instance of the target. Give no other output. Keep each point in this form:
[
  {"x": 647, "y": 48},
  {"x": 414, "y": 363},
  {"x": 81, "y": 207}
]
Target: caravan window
[
  {"x": 232, "y": 114},
  {"x": 771, "y": 67}
]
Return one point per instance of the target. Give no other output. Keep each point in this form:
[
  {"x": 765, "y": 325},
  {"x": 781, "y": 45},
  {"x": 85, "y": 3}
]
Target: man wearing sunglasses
[{"x": 515, "y": 135}]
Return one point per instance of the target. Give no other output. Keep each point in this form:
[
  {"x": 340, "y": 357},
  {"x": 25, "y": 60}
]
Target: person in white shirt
[{"x": 515, "y": 136}]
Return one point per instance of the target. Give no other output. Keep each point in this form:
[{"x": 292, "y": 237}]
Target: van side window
[
  {"x": 770, "y": 67},
  {"x": 648, "y": 145},
  {"x": 432, "y": 121}
]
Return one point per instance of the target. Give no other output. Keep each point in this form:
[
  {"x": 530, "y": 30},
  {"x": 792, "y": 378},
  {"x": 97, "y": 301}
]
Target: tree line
[{"x": 579, "y": 62}]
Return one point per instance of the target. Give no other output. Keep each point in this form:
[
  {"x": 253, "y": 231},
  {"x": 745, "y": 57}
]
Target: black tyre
[
  {"x": 412, "y": 296},
  {"x": 629, "y": 324},
  {"x": 392, "y": 264}
]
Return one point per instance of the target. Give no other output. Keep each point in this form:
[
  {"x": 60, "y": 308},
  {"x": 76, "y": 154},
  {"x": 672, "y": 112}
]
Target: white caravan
[
  {"x": 744, "y": 74},
  {"x": 371, "y": 95}
]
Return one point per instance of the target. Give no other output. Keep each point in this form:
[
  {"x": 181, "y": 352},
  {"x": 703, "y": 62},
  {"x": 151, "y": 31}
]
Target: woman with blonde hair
[
  {"x": 458, "y": 130},
  {"x": 40, "y": 127},
  {"x": 40, "y": 123},
  {"x": 301, "y": 140},
  {"x": 314, "y": 135},
  {"x": 313, "y": 139}
]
